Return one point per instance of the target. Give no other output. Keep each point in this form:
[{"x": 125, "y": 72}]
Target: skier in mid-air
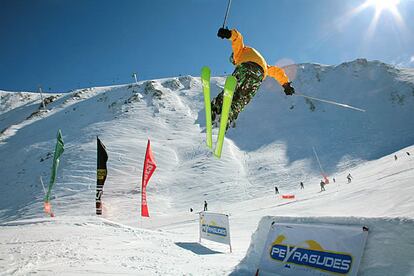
[{"x": 251, "y": 70}]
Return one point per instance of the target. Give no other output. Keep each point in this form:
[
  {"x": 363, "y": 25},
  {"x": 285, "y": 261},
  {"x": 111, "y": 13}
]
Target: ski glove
[
  {"x": 289, "y": 90},
  {"x": 224, "y": 33}
]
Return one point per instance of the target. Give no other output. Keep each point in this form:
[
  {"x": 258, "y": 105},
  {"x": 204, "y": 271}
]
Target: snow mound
[
  {"x": 95, "y": 246},
  {"x": 388, "y": 250}
]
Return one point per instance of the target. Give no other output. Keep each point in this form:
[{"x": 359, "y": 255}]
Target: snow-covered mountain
[{"x": 271, "y": 145}]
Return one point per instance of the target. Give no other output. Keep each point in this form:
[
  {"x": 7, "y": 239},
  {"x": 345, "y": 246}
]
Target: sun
[
  {"x": 380, "y": 6},
  {"x": 383, "y": 5}
]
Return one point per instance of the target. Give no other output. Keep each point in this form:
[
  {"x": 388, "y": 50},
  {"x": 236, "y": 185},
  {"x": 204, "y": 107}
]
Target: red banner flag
[{"x": 149, "y": 168}]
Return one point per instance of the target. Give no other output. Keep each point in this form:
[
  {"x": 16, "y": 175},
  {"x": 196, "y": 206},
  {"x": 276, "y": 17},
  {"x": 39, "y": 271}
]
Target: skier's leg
[
  {"x": 217, "y": 102},
  {"x": 216, "y": 105},
  {"x": 249, "y": 77}
]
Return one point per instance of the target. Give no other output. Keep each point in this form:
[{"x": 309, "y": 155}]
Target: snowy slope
[
  {"x": 71, "y": 245},
  {"x": 96, "y": 246},
  {"x": 271, "y": 145}
]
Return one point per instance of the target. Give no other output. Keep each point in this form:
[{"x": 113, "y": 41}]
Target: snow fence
[{"x": 389, "y": 249}]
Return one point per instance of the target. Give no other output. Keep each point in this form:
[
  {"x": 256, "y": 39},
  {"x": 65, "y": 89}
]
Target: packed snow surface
[{"x": 272, "y": 145}]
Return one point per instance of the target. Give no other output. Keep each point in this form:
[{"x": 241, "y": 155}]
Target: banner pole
[
  {"x": 135, "y": 77},
  {"x": 199, "y": 227},
  {"x": 43, "y": 186},
  {"x": 231, "y": 251},
  {"x": 41, "y": 98}
]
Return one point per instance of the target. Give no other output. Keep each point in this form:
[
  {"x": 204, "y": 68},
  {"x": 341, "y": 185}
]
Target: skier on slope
[
  {"x": 251, "y": 70},
  {"x": 322, "y": 184},
  {"x": 349, "y": 177}
]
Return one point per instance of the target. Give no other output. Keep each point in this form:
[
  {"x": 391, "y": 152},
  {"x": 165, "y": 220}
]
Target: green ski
[
  {"x": 229, "y": 87},
  {"x": 205, "y": 79}
]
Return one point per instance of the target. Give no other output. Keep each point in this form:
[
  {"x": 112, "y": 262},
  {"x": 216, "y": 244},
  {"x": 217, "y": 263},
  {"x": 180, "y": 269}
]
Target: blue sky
[{"x": 62, "y": 45}]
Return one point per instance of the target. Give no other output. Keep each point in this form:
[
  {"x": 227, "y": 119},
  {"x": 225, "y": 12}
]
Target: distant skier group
[
  {"x": 322, "y": 183},
  {"x": 204, "y": 207},
  {"x": 396, "y": 158}
]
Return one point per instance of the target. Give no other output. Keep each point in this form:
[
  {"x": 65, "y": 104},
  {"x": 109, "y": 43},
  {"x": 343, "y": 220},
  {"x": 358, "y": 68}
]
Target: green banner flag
[{"x": 59, "y": 148}]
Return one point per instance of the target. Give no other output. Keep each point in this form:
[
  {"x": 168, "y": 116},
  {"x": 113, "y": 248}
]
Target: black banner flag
[{"x": 101, "y": 173}]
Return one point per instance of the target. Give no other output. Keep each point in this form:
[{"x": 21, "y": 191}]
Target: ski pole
[
  {"x": 317, "y": 158},
  {"x": 227, "y": 12},
  {"x": 330, "y": 102}
]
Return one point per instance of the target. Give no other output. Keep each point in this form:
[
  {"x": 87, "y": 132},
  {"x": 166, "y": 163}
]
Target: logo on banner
[
  {"x": 148, "y": 171},
  {"x": 99, "y": 192},
  {"x": 314, "y": 256},
  {"x": 101, "y": 174},
  {"x": 98, "y": 195},
  {"x": 144, "y": 196},
  {"x": 213, "y": 229}
]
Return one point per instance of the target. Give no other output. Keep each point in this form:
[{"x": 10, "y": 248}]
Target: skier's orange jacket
[{"x": 242, "y": 53}]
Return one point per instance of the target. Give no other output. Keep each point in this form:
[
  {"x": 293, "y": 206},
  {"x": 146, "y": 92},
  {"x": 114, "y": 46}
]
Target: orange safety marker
[{"x": 48, "y": 209}]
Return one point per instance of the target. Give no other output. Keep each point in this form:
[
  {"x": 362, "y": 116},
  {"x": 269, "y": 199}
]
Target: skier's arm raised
[
  {"x": 280, "y": 75},
  {"x": 236, "y": 43},
  {"x": 236, "y": 40}
]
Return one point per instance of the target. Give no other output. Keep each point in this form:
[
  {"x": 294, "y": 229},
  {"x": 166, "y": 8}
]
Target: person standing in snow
[
  {"x": 395, "y": 157},
  {"x": 205, "y": 205},
  {"x": 349, "y": 177},
  {"x": 251, "y": 69},
  {"x": 322, "y": 186},
  {"x": 301, "y": 185},
  {"x": 276, "y": 190}
]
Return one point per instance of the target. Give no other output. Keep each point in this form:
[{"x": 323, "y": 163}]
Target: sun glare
[{"x": 381, "y": 5}]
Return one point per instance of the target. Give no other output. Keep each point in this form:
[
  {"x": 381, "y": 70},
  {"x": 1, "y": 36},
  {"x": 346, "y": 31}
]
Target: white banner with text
[
  {"x": 215, "y": 227},
  {"x": 311, "y": 249}
]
